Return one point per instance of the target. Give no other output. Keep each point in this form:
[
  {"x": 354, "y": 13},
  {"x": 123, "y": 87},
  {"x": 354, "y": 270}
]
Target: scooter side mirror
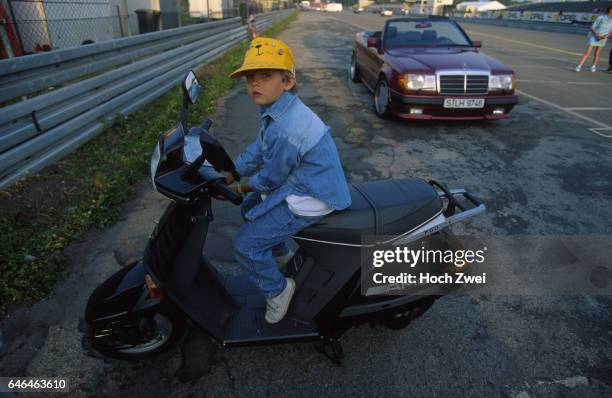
[{"x": 191, "y": 87}]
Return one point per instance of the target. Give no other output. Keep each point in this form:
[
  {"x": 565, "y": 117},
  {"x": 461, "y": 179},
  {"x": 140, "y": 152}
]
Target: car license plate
[{"x": 464, "y": 102}]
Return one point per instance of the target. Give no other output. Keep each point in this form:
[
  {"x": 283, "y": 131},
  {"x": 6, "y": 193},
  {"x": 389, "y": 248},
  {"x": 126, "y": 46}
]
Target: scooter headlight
[{"x": 154, "y": 163}]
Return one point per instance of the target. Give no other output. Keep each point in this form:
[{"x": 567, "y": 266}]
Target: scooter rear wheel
[{"x": 147, "y": 336}]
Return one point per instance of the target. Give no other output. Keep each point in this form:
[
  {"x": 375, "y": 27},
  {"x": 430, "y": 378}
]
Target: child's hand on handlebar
[
  {"x": 232, "y": 188},
  {"x": 229, "y": 179}
]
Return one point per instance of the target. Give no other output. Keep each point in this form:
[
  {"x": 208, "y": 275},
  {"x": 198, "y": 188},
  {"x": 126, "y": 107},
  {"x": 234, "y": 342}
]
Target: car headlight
[
  {"x": 418, "y": 82},
  {"x": 501, "y": 82},
  {"x": 154, "y": 163}
]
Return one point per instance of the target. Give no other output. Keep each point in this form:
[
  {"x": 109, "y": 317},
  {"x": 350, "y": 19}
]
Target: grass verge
[{"x": 44, "y": 213}]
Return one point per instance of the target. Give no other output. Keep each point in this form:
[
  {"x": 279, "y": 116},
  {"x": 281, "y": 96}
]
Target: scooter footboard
[{"x": 205, "y": 301}]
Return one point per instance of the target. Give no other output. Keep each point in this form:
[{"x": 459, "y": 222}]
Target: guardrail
[
  {"x": 559, "y": 27},
  {"x": 54, "y": 102}
]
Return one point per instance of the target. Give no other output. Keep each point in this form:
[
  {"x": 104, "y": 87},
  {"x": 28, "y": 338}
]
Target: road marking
[
  {"x": 532, "y": 66},
  {"x": 526, "y": 43},
  {"x": 524, "y": 56},
  {"x": 588, "y": 109},
  {"x": 597, "y": 131},
  {"x": 352, "y": 24},
  {"x": 601, "y": 126},
  {"x": 540, "y": 57},
  {"x": 559, "y": 81}
]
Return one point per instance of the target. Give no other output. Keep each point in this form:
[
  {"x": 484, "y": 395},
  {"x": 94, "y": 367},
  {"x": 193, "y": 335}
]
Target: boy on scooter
[{"x": 295, "y": 175}]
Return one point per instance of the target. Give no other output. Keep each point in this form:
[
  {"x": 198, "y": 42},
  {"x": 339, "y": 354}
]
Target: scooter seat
[{"x": 385, "y": 207}]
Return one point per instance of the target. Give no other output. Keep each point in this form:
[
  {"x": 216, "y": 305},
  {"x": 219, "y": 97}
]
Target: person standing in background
[
  {"x": 597, "y": 38},
  {"x": 251, "y": 27}
]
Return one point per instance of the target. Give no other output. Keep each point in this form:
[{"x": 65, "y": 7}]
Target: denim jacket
[
  {"x": 293, "y": 154},
  {"x": 602, "y": 25}
]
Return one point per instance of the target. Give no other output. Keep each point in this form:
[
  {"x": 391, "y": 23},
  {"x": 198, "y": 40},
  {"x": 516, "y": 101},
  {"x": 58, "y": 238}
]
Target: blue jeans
[
  {"x": 251, "y": 200},
  {"x": 258, "y": 241}
]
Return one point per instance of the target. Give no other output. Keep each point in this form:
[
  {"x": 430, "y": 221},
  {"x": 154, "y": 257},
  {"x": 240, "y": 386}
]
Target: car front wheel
[{"x": 381, "y": 99}]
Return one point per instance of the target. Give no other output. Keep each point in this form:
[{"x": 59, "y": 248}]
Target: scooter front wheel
[{"x": 138, "y": 338}]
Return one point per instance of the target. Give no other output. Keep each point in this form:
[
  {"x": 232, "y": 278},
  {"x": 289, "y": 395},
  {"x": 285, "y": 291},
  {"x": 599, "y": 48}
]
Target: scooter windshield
[
  {"x": 193, "y": 148},
  {"x": 154, "y": 163},
  {"x": 168, "y": 153},
  {"x": 173, "y": 140}
]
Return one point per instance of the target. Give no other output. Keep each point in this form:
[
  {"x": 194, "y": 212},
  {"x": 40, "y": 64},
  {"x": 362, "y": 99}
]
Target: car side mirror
[{"x": 477, "y": 43}]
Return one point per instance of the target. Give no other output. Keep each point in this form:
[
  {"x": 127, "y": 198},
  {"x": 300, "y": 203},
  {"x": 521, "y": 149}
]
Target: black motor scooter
[{"x": 145, "y": 307}]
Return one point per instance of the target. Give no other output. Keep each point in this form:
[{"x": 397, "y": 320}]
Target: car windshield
[{"x": 424, "y": 34}]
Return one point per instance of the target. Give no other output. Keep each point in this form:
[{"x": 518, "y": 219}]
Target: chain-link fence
[
  {"x": 197, "y": 11},
  {"x": 43, "y": 25},
  {"x": 205, "y": 15}
]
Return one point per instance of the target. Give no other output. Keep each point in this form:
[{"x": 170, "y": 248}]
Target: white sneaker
[
  {"x": 276, "y": 307},
  {"x": 593, "y": 68},
  {"x": 283, "y": 260},
  {"x": 578, "y": 68}
]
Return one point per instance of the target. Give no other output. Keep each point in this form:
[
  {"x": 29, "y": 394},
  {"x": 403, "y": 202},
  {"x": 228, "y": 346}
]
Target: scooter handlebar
[{"x": 228, "y": 193}]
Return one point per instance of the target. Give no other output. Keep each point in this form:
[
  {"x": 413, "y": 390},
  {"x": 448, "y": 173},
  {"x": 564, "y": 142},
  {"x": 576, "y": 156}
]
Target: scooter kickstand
[{"x": 336, "y": 355}]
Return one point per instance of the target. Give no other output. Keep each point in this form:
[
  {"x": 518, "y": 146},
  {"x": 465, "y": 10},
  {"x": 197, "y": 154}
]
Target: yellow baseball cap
[{"x": 266, "y": 53}]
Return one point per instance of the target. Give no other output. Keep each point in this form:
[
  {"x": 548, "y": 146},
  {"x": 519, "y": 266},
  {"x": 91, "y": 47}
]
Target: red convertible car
[{"x": 428, "y": 68}]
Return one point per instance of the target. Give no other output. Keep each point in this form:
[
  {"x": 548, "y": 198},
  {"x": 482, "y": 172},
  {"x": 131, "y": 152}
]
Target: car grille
[{"x": 464, "y": 84}]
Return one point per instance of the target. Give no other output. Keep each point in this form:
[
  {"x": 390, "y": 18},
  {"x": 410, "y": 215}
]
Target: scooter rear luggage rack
[{"x": 448, "y": 217}]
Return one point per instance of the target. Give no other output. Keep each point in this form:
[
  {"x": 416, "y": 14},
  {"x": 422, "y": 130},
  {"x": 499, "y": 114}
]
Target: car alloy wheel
[{"x": 381, "y": 99}]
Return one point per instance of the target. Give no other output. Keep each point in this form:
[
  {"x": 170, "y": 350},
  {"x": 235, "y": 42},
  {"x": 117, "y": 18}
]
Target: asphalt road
[{"x": 541, "y": 173}]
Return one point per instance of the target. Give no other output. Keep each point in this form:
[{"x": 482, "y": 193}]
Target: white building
[
  {"x": 473, "y": 7},
  {"x": 430, "y": 7},
  {"x": 364, "y": 3}
]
